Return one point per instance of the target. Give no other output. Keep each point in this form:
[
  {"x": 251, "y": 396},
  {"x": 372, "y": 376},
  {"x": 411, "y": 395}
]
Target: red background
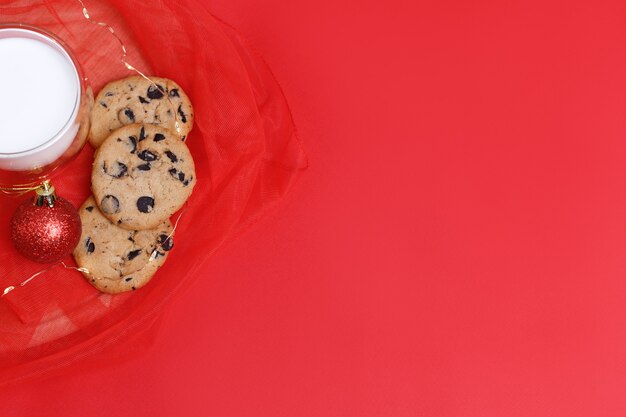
[{"x": 455, "y": 249}]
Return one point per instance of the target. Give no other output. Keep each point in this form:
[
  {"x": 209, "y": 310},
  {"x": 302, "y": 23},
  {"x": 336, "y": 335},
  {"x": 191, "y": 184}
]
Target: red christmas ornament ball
[{"x": 43, "y": 233}]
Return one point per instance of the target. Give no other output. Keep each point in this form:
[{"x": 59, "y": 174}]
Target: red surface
[{"x": 455, "y": 249}]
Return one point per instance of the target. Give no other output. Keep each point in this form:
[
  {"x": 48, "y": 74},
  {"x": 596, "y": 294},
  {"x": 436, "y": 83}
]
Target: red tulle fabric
[{"x": 245, "y": 147}]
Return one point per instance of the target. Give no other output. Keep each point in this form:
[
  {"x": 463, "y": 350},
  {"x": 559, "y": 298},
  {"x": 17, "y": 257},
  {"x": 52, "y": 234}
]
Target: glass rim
[{"x": 35, "y": 32}]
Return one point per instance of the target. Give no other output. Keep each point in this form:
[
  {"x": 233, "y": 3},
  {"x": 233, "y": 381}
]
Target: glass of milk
[{"x": 45, "y": 104}]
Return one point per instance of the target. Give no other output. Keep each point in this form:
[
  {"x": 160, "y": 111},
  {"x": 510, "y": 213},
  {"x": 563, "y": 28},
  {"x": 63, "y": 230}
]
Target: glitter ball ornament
[{"x": 46, "y": 230}]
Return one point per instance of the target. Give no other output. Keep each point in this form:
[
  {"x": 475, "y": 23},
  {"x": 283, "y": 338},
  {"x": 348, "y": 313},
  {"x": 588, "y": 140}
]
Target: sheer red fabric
[{"x": 245, "y": 147}]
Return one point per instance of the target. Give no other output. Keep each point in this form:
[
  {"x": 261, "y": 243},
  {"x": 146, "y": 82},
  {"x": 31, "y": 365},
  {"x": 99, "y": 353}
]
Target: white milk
[{"x": 39, "y": 100}]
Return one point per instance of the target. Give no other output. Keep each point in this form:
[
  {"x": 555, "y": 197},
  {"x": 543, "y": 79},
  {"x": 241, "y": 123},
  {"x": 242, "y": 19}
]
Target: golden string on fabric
[
  {"x": 128, "y": 65},
  {"x": 36, "y": 274},
  {"x": 21, "y": 189}
]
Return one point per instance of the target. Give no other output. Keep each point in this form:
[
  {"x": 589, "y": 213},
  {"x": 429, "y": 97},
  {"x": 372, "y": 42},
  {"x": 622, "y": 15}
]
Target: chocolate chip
[
  {"x": 145, "y": 204},
  {"x": 118, "y": 170},
  {"x": 157, "y": 254},
  {"x": 133, "y": 288},
  {"x": 143, "y": 100},
  {"x": 147, "y": 156},
  {"x": 129, "y": 113},
  {"x": 159, "y": 137},
  {"x": 126, "y": 116},
  {"x": 181, "y": 176},
  {"x": 133, "y": 143},
  {"x": 184, "y": 138},
  {"x": 103, "y": 104},
  {"x": 144, "y": 167},
  {"x": 110, "y": 204},
  {"x": 183, "y": 117},
  {"x": 90, "y": 246},
  {"x": 173, "y": 172},
  {"x": 133, "y": 254},
  {"x": 142, "y": 134},
  {"x": 172, "y": 156},
  {"x": 128, "y": 279},
  {"x": 186, "y": 182},
  {"x": 154, "y": 92},
  {"x": 89, "y": 209},
  {"x": 108, "y": 94},
  {"x": 131, "y": 237},
  {"x": 174, "y": 93},
  {"x": 166, "y": 242}
]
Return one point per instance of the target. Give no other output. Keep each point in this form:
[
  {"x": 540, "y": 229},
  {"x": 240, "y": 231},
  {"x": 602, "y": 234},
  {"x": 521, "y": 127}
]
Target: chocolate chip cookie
[
  {"x": 142, "y": 174},
  {"x": 119, "y": 260},
  {"x": 137, "y": 100}
]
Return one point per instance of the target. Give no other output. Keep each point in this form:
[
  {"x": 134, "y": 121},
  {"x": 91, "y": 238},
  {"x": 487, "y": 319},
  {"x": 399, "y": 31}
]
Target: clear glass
[{"x": 53, "y": 153}]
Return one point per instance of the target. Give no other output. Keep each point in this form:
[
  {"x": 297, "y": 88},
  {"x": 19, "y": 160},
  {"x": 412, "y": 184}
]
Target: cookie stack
[{"x": 142, "y": 174}]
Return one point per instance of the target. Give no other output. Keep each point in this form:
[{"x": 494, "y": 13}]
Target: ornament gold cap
[{"x": 45, "y": 194}]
